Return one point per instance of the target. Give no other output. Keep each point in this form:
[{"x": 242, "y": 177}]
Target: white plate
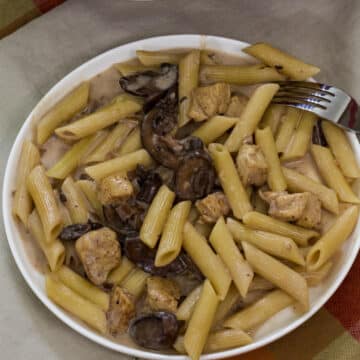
[{"x": 278, "y": 326}]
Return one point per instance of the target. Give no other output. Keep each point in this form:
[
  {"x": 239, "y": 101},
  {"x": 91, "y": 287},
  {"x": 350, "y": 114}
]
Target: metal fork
[{"x": 328, "y": 102}]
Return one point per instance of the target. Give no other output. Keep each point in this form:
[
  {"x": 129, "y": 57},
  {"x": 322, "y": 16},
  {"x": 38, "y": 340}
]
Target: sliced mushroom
[
  {"x": 149, "y": 83},
  {"x": 74, "y": 231},
  {"x": 195, "y": 176},
  {"x": 156, "y": 331},
  {"x": 144, "y": 257}
]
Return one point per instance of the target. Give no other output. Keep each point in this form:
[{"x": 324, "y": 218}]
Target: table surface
[{"x": 38, "y": 55}]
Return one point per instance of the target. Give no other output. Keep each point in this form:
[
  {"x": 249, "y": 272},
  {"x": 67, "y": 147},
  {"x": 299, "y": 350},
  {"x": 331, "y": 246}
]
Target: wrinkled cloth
[{"x": 39, "y": 54}]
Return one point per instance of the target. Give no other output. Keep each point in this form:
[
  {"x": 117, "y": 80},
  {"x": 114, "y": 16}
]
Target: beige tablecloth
[{"x": 34, "y": 58}]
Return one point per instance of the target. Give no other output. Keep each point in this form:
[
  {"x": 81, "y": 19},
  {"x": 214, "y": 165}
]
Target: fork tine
[
  {"x": 307, "y": 91},
  {"x": 307, "y": 85},
  {"x": 316, "y": 102},
  {"x": 299, "y": 103},
  {"x": 303, "y": 94}
]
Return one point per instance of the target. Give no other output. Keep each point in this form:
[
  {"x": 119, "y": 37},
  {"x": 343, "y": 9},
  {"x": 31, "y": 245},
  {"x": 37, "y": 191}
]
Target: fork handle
[{"x": 350, "y": 119}]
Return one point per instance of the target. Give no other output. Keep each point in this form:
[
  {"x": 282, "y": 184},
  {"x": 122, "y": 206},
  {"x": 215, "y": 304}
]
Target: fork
[{"x": 327, "y": 102}]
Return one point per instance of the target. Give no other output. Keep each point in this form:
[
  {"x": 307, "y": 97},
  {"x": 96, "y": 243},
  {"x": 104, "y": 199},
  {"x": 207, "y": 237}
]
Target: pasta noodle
[
  {"x": 230, "y": 181},
  {"x": 119, "y": 273},
  {"x": 200, "y": 321},
  {"x": 188, "y": 81},
  {"x": 83, "y": 287},
  {"x": 274, "y": 244},
  {"x": 154, "y": 58},
  {"x": 206, "y": 260},
  {"x": 287, "y": 128},
  {"x": 29, "y": 158},
  {"x": 120, "y": 164},
  {"x": 331, "y": 241},
  {"x": 131, "y": 143},
  {"x": 135, "y": 282},
  {"x": 223, "y": 243},
  {"x": 285, "y": 63},
  {"x": 42, "y": 193},
  {"x": 90, "y": 313},
  {"x": 251, "y": 116},
  {"x": 263, "y": 222},
  {"x": 63, "y": 111},
  {"x": 75, "y": 201},
  {"x": 275, "y": 177},
  {"x": 332, "y": 174},
  {"x": 240, "y": 75},
  {"x": 341, "y": 149},
  {"x": 301, "y": 139},
  {"x": 215, "y": 127},
  {"x": 89, "y": 189},
  {"x": 121, "y": 107},
  {"x": 54, "y": 251},
  {"x": 277, "y": 273},
  {"x": 260, "y": 311},
  {"x": 186, "y": 308},
  {"x": 172, "y": 236},
  {"x": 157, "y": 216}
]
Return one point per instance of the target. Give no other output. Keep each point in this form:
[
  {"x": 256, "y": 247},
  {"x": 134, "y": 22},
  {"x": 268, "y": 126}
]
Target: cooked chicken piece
[
  {"x": 121, "y": 311},
  {"x": 99, "y": 252},
  {"x": 251, "y": 165},
  {"x": 162, "y": 294},
  {"x": 212, "y": 207},
  {"x": 284, "y": 206},
  {"x": 209, "y": 100},
  {"x": 237, "y": 105},
  {"x": 311, "y": 217},
  {"x": 115, "y": 188}
]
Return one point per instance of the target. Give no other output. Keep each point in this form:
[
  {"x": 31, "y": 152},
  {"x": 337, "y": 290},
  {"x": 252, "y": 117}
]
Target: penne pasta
[
  {"x": 223, "y": 243},
  {"x": 89, "y": 189},
  {"x": 121, "y": 107},
  {"x": 120, "y": 164},
  {"x": 23, "y": 205},
  {"x": 54, "y": 251},
  {"x": 341, "y": 148},
  {"x": 331, "y": 241},
  {"x": 71, "y": 159},
  {"x": 275, "y": 177},
  {"x": 301, "y": 139},
  {"x": 240, "y": 74},
  {"x": 230, "y": 181},
  {"x": 280, "y": 60},
  {"x": 214, "y": 128},
  {"x": 131, "y": 143},
  {"x": 43, "y": 196},
  {"x": 172, "y": 236},
  {"x": 274, "y": 244},
  {"x": 277, "y": 273},
  {"x": 272, "y": 117},
  {"x": 287, "y": 128},
  {"x": 117, "y": 275},
  {"x": 263, "y": 222},
  {"x": 113, "y": 140},
  {"x": 130, "y": 69},
  {"x": 155, "y": 58},
  {"x": 226, "y": 339},
  {"x": 75, "y": 201},
  {"x": 297, "y": 182},
  {"x": 332, "y": 174},
  {"x": 135, "y": 282},
  {"x": 186, "y": 308},
  {"x": 314, "y": 278},
  {"x": 206, "y": 260},
  {"x": 251, "y": 116},
  {"x": 63, "y": 111},
  {"x": 157, "y": 216},
  {"x": 188, "y": 81},
  {"x": 262, "y": 310},
  {"x": 83, "y": 287},
  {"x": 200, "y": 322},
  {"x": 75, "y": 304}
]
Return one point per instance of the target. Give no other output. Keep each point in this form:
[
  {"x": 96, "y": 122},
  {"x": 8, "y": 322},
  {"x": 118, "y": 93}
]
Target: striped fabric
[
  {"x": 332, "y": 334},
  {"x": 16, "y": 13}
]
